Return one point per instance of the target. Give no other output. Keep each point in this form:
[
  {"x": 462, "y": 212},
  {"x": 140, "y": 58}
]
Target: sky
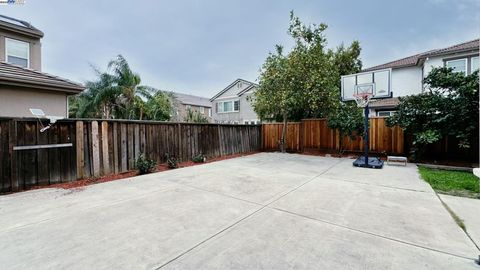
[{"x": 200, "y": 47}]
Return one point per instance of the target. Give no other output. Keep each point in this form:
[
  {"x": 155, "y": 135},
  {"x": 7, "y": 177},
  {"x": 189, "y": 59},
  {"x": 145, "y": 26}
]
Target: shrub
[
  {"x": 172, "y": 162},
  {"x": 200, "y": 158},
  {"x": 144, "y": 165}
]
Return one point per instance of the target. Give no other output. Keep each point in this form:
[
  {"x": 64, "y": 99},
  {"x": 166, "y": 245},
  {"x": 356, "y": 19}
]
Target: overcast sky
[{"x": 201, "y": 46}]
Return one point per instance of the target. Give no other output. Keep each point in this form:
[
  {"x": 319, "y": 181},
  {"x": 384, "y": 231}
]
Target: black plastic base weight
[{"x": 373, "y": 162}]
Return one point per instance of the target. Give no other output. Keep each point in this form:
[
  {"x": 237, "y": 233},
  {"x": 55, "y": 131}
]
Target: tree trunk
[{"x": 283, "y": 143}]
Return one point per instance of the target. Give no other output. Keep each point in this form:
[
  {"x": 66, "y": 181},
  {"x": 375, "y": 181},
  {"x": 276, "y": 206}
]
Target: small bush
[
  {"x": 144, "y": 165},
  {"x": 200, "y": 158},
  {"x": 172, "y": 162}
]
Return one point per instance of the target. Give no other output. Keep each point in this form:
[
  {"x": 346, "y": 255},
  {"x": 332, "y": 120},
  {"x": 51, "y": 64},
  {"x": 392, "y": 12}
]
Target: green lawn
[{"x": 456, "y": 183}]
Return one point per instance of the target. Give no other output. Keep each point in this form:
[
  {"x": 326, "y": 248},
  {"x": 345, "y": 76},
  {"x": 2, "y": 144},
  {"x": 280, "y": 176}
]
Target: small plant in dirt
[
  {"x": 172, "y": 162},
  {"x": 144, "y": 165},
  {"x": 200, "y": 158}
]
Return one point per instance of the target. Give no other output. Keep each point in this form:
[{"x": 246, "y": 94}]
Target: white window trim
[
  {"x": 6, "y": 49},
  {"x": 471, "y": 63},
  {"x": 464, "y": 60},
  {"x": 233, "y": 105},
  {"x": 390, "y": 113},
  {"x": 209, "y": 112}
]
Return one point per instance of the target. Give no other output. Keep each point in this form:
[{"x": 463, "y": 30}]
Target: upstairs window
[
  {"x": 17, "y": 52},
  {"x": 228, "y": 106},
  {"x": 458, "y": 65},
  {"x": 475, "y": 64}
]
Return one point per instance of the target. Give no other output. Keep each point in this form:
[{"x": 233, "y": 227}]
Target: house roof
[
  {"x": 232, "y": 84},
  {"x": 386, "y": 102},
  {"x": 472, "y": 45},
  {"x": 13, "y": 75},
  {"x": 19, "y": 26},
  {"x": 192, "y": 100}
]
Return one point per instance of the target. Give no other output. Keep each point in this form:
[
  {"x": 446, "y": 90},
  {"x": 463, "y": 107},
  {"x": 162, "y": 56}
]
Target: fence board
[
  {"x": 110, "y": 146},
  {"x": 315, "y": 134}
]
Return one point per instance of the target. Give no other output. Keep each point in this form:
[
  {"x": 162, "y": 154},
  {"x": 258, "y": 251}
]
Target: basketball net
[{"x": 362, "y": 99}]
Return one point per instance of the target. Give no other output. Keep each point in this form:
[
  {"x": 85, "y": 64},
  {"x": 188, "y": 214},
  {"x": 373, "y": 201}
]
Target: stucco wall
[
  {"x": 16, "y": 102},
  {"x": 35, "y": 48},
  {"x": 406, "y": 81},
  {"x": 438, "y": 61}
]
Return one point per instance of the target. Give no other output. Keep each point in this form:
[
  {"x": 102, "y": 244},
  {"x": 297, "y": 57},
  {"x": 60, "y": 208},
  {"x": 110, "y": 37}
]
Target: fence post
[
  {"x": 105, "y": 143},
  {"x": 12, "y": 141},
  {"x": 95, "y": 149},
  {"x": 80, "y": 149}
]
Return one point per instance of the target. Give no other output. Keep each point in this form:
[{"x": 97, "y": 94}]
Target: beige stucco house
[{"x": 23, "y": 85}]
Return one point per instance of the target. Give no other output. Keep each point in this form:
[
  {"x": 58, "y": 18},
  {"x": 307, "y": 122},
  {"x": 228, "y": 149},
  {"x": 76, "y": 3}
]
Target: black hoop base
[{"x": 373, "y": 162}]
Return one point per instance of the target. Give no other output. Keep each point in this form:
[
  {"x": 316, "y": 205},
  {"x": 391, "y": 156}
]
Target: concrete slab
[
  {"x": 260, "y": 178},
  {"x": 220, "y": 215},
  {"x": 405, "y": 215},
  {"x": 139, "y": 233},
  {"x": 390, "y": 176},
  {"x": 277, "y": 240},
  {"x": 469, "y": 211}
]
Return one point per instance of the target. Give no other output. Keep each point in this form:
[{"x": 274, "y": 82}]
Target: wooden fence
[
  {"x": 312, "y": 134},
  {"x": 76, "y": 149}
]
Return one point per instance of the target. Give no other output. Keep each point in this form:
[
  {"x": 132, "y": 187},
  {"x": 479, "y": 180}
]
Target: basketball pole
[{"x": 366, "y": 135}]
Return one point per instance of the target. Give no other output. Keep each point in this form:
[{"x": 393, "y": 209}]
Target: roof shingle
[
  {"x": 413, "y": 60},
  {"x": 14, "y": 75},
  {"x": 192, "y": 100}
]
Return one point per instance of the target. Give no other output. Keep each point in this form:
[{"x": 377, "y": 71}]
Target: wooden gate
[{"x": 34, "y": 158}]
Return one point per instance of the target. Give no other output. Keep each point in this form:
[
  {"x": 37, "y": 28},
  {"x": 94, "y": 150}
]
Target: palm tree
[{"x": 116, "y": 93}]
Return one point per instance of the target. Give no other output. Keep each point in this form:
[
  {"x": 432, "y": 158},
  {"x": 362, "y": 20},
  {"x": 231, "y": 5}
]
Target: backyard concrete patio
[{"x": 264, "y": 211}]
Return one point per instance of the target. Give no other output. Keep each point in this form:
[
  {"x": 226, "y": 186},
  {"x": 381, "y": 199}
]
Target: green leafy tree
[
  {"x": 347, "y": 119},
  {"x": 305, "y": 82},
  {"x": 158, "y": 107},
  {"x": 449, "y": 107},
  {"x": 118, "y": 94},
  {"x": 195, "y": 117}
]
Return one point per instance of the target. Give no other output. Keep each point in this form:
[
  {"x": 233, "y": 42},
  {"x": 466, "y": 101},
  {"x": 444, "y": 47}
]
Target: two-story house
[
  {"x": 23, "y": 85},
  {"x": 183, "y": 102},
  {"x": 408, "y": 73},
  {"x": 231, "y": 105}
]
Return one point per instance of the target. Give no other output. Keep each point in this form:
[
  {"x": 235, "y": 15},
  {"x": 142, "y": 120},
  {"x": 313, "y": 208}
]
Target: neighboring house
[
  {"x": 183, "y": 102},
  {"x": 22, "y": 84},
  {"x": 408, "y": 73},
  {"x": 231, "y": 105}
]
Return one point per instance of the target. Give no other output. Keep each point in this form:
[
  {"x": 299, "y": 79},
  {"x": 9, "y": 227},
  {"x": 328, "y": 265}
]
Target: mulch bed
[{"x": 160, "y": 168}]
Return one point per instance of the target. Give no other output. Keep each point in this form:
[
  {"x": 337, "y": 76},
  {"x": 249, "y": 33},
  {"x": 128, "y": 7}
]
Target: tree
[
  {"x": 449, "y": 107},
  {"x": 118, "y": 94},
  {"x": 158, "y": 107},
  {"x": 305, "y": 82},
  {"x": 347, "y": 119},
  {"x": 195, "y": 117}
]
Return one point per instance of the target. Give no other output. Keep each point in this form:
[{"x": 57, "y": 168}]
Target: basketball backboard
[{"x": 378, "y": 82}]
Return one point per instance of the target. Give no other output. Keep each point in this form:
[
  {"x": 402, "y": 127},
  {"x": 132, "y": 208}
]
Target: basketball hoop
[{"x": 362, "y": 99}]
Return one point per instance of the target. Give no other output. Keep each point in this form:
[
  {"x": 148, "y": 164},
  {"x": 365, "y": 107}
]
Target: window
[
  {"x": 188, "y": 107},
  {"x": 209, "y": 112},
  {"x": 385, "y": 113},
  {"x": 228, "y": 106},
  {"x": 17, "y": 52},
  {"x": 201, "y": 110},
  {"x": 458, "y": 65},
  {"x": 475, "y": 64}
]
